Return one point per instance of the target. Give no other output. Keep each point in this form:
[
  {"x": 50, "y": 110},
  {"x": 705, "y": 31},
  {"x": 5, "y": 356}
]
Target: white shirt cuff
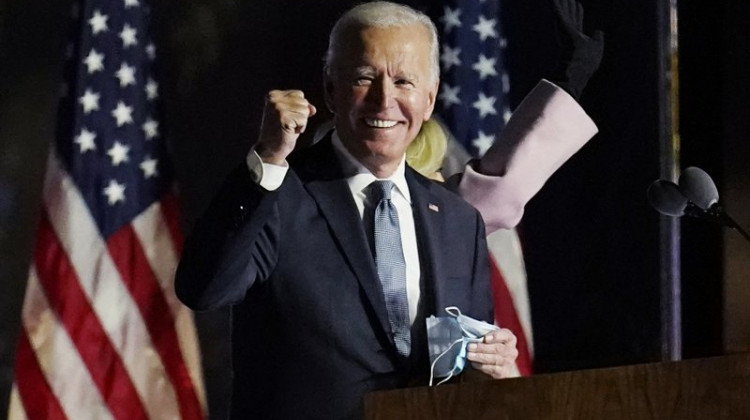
[{"x": 267, "y": 175}]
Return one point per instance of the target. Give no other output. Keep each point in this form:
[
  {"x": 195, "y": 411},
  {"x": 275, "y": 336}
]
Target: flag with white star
[
  {"x": 104, "y": 336},
  {"x": 472, "y": 98}
]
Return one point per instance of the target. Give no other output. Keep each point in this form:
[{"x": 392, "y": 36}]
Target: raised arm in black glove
[{"x": 580, "y": 54}]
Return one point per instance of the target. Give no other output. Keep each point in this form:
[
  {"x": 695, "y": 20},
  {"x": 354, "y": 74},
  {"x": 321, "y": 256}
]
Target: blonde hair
[{"x": 426, "y": 152}]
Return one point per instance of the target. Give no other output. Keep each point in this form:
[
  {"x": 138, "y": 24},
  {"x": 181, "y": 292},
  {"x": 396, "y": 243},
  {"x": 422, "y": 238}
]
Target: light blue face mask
[{"x": 447, "y": 340}]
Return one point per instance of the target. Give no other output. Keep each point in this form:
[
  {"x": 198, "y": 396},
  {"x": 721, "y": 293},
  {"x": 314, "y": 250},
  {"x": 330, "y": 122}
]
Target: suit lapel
[
  {"x": 337, "y": 206},
  {"x": 430, "y": 235},
  {"x": 320, "y": 172}
]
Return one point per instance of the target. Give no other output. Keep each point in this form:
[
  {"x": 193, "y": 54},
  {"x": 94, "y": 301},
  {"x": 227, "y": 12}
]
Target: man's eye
[
  {"x": 404, "y": 82},
  {"x": 361, "y": 81}
]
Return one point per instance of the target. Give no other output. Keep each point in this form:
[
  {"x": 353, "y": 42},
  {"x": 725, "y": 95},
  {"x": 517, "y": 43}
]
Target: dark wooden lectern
[{"x": 706, "y": 389}]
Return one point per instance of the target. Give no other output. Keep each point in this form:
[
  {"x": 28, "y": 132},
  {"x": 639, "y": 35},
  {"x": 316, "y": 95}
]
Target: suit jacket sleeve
[
  {"x": 232, "y": 246},
  {"x": 546, "y": 129}
]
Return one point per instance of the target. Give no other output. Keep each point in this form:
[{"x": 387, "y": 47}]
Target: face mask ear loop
[
  {"x": 432, "y": 367},
  {"x": 446, "y": 379},
  {"x": 453, "y": 311},
  {"x": 456, "y": 313}
]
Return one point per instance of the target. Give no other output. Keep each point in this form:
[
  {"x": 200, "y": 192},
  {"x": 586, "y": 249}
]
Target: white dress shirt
[{"x": 358, "y": 177}]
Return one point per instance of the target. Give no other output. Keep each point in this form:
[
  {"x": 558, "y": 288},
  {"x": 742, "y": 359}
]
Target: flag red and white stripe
[
  {"x": 104, "y": 336},
  {"x": 510, "y": 293},
  {"x": 103, "y": 333}
]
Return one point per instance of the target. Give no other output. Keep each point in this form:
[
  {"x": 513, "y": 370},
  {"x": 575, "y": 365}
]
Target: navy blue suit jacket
[{"x": 310, "y": 327}]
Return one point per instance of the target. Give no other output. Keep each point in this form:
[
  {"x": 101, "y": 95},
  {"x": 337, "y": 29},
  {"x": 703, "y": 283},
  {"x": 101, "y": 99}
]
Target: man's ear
[
  {"x": 328, "y": 91},
  {"x": 431, "y": 98}
]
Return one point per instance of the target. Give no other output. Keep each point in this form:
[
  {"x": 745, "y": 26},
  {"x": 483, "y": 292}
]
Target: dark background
[{"x": 590, "y": 239}]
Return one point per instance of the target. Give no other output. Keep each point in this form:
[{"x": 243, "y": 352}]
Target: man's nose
[{"x": 381, "y": 94}]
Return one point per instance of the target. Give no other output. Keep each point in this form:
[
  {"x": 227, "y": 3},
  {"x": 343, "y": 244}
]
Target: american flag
[
  {"x": 474, "y": 84},
  {"x": 473, "y": 104},
  {"x": 104, "y": 336}
]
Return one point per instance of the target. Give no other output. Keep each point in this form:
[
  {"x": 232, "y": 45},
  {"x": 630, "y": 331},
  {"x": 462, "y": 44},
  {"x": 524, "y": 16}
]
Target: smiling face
[{"x": 380, "y": 89}]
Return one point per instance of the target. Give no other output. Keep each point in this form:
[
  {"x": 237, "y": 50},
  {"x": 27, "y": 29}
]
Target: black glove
[{"x": 580, "y": 54}]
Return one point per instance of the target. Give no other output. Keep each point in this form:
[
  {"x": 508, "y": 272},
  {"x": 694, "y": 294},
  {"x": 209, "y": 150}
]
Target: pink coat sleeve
[{"x": 546, "y": 129}]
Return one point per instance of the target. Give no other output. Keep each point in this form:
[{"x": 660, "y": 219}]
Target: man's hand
[
  {"x": 495, "y": 355},
  {"x": 284, "y": 119}
]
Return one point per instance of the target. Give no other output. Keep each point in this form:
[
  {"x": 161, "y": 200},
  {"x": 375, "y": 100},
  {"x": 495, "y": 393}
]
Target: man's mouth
[{"x": 376, "y": 123}]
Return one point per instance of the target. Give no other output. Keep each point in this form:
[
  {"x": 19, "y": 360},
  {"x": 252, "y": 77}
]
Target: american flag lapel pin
[{"x": 433, "y": 207}]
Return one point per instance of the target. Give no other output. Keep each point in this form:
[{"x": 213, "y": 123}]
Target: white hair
[{"x": 382, "y": 14}]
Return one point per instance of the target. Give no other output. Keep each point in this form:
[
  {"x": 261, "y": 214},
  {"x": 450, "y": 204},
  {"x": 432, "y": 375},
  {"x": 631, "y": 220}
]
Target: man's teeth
[{"x": 372, "y": 122}]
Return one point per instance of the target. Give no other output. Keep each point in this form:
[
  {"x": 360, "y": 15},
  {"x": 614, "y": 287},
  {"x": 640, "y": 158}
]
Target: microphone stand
[
  {"x": 728, "y": 221},
  {"x": 715, "y": 214}
]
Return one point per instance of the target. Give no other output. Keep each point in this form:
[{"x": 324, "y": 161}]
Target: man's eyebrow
[
  {"x": 408, "y": 75},
  {"x": 363, "y": 70}
]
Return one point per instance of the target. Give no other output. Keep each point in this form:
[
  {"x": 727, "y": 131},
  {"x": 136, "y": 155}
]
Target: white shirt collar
[{"x": 359, "y": 177}]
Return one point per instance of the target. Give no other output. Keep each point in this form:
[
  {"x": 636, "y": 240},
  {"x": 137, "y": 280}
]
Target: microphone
[
  {"x": 695, "y": 196},
  {"x": 666, "y": 197},
  {"x": 698, "y": 187}
]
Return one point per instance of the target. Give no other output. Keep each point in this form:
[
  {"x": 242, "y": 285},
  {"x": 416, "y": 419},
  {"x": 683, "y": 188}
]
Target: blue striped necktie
[{"x": 389, "y": 260}]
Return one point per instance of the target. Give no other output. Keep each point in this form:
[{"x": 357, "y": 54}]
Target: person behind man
[
  {"x": 543, "y": 132},
  {"x": 334, "y": 260}
]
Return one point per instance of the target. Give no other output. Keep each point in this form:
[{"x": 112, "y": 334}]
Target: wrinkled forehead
[{"x": 402, "y": 43}]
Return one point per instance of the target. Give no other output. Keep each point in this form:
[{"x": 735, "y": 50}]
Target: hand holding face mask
[
  {"x": 456, "y": 338},
  {"x": 495, "y": 355}
]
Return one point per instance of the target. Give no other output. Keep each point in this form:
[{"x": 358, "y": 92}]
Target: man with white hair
[{"x": 334, "y": 256}]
